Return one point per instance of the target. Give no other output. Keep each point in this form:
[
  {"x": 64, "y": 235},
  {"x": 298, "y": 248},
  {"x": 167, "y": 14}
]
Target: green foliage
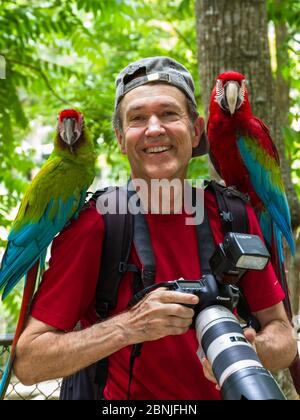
[
  {"x": 67, "y": 54},
  {"x": 285, "y": 11},
  {"x": 11, "y": 308},
  {"x": 292, "y": 141},
  {"x": 287, "y": 14}
]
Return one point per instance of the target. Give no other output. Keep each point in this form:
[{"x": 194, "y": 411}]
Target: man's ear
[
  {"x": 200, "y": 142},
  {"x": 121, "y": 140},
  {"x": 198, "y": 130}
]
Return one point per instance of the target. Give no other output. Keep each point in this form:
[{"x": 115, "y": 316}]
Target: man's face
[{"x": 157, "y": 135}]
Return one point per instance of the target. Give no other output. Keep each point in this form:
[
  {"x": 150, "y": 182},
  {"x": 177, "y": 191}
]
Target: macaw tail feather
[
  {"x": 273, "y": 237},
  {"x": 41, "y": 264},
  {"x": 278, "y": 263},
  {"x": 266, "y": 225},
  {"x": 283, "y": 227},
  {"x": 5, "y": 379},
  {"x": 24, "y": 311}
]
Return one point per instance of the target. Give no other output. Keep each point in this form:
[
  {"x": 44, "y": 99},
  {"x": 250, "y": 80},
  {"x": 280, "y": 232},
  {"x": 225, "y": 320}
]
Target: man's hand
[
  {"x": 250, "y": 335},
  {"x": 159, "y": 314}
]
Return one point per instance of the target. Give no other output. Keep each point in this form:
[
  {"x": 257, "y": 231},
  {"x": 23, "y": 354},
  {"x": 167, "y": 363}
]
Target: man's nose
[{"x": 154, "y": 127}]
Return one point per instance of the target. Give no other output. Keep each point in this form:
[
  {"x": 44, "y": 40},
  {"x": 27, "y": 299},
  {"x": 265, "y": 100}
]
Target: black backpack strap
[
  {"x": 118, "y": 237},
  {"x": 142, "y": 243},
  {"x": 232, "y": 207},
  {"x": 206, "y": 244},
  {"x": 141, "y": 239},
  {"x": 143, "y": 247},
  {"x": 120, "y": 230}
]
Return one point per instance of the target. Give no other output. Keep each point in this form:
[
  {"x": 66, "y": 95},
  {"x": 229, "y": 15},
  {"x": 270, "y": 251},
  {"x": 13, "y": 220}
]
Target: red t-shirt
[{"x": 168, "y": 368}]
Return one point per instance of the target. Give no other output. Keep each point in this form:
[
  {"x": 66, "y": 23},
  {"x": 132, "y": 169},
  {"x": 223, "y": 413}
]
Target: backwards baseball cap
[
  {"x": 154, "y": 69},
  {"x": 159, "y": 70}
]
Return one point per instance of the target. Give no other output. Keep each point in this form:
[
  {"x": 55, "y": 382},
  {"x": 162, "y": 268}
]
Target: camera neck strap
[{"x": 206, "y": 244}]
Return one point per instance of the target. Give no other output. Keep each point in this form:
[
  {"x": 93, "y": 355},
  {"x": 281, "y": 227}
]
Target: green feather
[
  {"x": 64, "y": 174},
  {"x": 266, "y": 161}
]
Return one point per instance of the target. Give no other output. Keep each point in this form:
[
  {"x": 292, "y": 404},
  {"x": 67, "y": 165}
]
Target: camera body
[{"x": 209, "y": 291}]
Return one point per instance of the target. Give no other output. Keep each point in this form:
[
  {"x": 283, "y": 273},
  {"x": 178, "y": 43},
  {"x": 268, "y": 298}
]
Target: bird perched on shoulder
[
  {"x": 245, "y": 156},
  {"x": 54, "y": 197}
]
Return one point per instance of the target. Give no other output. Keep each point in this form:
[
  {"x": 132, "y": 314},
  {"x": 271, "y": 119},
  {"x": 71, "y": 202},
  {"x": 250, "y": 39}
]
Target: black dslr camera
[{"x": 235, "y": 364}]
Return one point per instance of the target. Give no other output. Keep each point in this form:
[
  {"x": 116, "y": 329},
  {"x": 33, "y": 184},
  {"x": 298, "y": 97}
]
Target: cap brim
[{"x": 202, "y": 148}]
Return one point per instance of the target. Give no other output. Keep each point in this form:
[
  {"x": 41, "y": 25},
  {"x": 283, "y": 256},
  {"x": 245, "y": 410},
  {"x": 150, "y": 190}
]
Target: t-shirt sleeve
[
  {"x": 261, "y": 288},
  {"x": 67, "y": 290}
]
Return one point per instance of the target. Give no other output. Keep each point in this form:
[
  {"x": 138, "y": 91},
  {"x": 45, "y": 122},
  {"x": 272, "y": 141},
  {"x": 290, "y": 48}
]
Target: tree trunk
[
  {"x": 234, "y": 36},
  {"x": 283, "y": 107}
]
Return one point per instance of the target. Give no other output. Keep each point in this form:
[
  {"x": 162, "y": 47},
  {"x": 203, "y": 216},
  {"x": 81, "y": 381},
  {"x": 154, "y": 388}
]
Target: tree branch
[
  {"x": 180, "y": 35},
  {"x": 42, "y": 74}
]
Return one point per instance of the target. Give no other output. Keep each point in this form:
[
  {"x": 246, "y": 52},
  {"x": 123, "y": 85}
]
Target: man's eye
[
  {"x": 169, "y": 114},
  {"x": 137, "y": 118}
]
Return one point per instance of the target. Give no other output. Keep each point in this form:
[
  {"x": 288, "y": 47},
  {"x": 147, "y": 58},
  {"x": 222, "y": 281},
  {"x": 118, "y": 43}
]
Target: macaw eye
[
  {"x": 242, "y": 92},
  {"x": 219, "y": 92},
  {"x": 220, "y": 96}
]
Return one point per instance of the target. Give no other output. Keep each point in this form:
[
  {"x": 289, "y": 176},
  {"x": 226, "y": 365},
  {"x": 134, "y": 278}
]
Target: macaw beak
[
  {"x": 70, "y": 133},
  {"x": 231, "y": 93}
]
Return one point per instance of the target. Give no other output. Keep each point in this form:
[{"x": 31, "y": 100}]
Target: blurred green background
[{"x": 58, "y": 54}]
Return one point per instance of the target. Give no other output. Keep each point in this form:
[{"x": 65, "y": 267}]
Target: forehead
[{"x": 153, "y": 95}]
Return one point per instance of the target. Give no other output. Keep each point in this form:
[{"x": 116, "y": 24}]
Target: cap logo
[{"x": 152, "y": 77}]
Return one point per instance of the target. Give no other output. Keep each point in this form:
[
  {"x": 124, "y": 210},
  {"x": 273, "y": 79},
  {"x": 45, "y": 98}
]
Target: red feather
[
  {"x": 69, "y": 113},
  {"x": 230, "y": 117},
  {"x": 24, "y": 311},
  {"x": 222, "y": 130}
]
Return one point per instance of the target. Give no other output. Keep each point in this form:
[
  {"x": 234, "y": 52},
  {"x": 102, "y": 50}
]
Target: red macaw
[{"x": 245, "y": 156}]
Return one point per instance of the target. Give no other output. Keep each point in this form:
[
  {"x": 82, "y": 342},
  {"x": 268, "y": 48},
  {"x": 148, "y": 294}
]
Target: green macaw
[{"x": 54, "y": 197}]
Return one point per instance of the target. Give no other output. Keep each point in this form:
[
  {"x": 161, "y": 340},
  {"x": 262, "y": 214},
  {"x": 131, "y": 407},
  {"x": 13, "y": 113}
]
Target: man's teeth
[{"x": 157, "y": 149}]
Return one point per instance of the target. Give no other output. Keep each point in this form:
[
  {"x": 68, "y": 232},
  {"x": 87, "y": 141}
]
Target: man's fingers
[
  {"x": 208, "y": 372},
  {"x": 168, "y": 296},
  {"x": 181, "y": 322},
  {"x": 250, "y": 335},
  {"x": 179, "y": 310}
]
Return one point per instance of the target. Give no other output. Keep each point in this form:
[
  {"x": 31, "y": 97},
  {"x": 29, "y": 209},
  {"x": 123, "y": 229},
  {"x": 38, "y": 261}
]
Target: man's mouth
[{"x": 157, "y": 149}]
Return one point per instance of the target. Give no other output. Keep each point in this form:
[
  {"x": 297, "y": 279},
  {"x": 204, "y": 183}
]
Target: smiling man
[
  {"x": 158, "y": 128},
  {"x": 157, "y": 134},
  {"x": 156, "y": 119}
]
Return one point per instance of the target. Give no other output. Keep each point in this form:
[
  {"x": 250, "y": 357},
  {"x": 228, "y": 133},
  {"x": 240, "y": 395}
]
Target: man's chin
[{"x": 160, "y": 174}]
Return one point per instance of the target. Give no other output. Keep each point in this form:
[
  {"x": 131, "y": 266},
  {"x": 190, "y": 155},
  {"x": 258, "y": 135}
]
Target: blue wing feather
[
  {"x": 271, "y": 195},
  {"x": 265, "y": 223},
  {"x": 29, "y": 244}
]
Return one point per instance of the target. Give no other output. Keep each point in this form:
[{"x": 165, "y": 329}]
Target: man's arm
[
  {"x": 275, "y": 344},
  {"x": 44, "y": 352}
]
